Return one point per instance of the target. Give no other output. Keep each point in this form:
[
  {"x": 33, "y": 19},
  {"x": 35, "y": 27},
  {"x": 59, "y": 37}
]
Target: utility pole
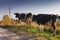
[
  {"x": 9, "y": 8},
  {"x": 9, "y": 11}
]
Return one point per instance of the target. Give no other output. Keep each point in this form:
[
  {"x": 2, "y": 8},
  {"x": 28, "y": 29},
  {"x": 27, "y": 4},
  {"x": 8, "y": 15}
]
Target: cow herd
[{"x": 41, "y": 19}]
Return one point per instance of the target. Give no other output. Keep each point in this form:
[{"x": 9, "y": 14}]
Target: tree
[{"x": 6, "y": 20}]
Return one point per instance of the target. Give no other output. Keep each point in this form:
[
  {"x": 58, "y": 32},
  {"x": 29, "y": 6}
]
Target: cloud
[{"x": 34, "y": 6}]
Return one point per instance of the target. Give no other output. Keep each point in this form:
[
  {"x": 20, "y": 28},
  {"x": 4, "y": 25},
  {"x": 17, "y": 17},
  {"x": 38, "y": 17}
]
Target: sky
[{"x": 25, "y": 6}]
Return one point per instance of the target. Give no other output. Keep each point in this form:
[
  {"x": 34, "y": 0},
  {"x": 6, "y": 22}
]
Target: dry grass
[{"x": 47, "y": 33}]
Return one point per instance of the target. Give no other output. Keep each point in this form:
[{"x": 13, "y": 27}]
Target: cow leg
[
  {"x": 41, "y": 27},
  {"x": 54, "y": 33},
  {"x": 54, "y": 30}
]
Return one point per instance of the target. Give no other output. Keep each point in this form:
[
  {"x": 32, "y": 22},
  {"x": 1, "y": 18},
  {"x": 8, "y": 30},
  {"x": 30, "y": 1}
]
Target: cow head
[
  {"x": 29, "y": 15},
  {"x": 17, "y": 15}
]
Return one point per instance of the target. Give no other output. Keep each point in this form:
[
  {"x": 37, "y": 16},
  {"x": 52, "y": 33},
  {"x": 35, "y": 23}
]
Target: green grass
[
  {"x": 35, "y": 31},
  {"x": 46, "y": 34}
]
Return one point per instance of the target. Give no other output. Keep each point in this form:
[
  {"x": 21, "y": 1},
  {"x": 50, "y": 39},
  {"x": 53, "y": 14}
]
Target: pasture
[{"x": 35, "y": 31}]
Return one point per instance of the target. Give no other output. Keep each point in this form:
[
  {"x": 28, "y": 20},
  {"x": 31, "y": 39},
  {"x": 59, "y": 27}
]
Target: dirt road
[{"x": 6, "y": 34}]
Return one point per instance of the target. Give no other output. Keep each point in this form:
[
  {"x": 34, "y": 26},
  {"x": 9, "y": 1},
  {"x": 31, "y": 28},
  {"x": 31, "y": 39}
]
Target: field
[{"x": 35, "y": 31}]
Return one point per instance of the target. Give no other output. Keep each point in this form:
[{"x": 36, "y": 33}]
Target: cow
[
  {"x": 42, "y": 19},
  {"x": 29, "y": 18},
  {"x": 21, "y": 17},
  {"x": 24, "y": 18}
]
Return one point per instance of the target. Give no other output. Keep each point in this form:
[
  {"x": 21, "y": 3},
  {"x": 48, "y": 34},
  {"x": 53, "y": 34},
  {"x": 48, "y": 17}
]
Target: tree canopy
[{"x": 6, "y": 20}]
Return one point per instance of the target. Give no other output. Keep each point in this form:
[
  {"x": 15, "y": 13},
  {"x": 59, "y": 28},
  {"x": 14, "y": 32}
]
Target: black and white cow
[
  {"x": 24, "y": 17},
  {"x": 29, "y": 18},
  {"x": 21, "y": 17},
  {"x": 42, "y": 19}
]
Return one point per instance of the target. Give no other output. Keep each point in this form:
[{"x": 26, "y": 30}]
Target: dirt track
[{"x": 5, "y": 34}]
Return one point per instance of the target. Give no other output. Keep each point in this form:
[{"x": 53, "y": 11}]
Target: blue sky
[{"x": 33, "y": 6}]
